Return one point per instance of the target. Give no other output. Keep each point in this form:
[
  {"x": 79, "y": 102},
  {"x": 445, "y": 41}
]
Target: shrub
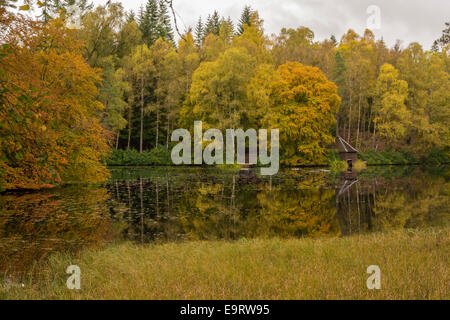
[
  {"x": 387, "y": 157},
  {"x": 155, "y": 157},
  {"x": 360, "y": 165},
  {"x": 335, "y": 163},
  {"x": 436, "y": 156}
]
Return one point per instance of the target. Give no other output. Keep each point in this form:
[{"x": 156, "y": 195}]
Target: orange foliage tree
[{"x": 49, "y": 125}]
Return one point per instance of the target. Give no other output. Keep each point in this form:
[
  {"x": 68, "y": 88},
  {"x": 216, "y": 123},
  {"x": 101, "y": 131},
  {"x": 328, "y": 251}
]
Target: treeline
[
  {"x": 229, "y": 76},
  {"x": 137, "y": 84}
]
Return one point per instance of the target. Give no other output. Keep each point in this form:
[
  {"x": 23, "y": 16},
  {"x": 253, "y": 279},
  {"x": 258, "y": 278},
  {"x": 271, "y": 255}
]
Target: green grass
[{"x": 414, "y": 265}]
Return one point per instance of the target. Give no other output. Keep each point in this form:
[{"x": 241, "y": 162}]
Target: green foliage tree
[
  {"x": 148, "y": 21},
  {"x": 444, "y": 40},
  {"x": 213, "y": 24},
  {"x": 199, "y": 33},
  {"x": 164, "y": 23}
]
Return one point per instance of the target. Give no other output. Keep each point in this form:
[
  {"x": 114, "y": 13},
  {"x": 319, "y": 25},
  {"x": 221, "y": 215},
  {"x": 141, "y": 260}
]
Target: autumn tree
[
  {"x": 428, "y": 98},
  {"x": 294, "y": 45},
  {"x": 218, "y": 92},
  {"x": 165, "y": 62},
  {"x": 139, "y": 70},
  {"x": 392, "y": 118},
  {"x": 103, "y": 45},
  {"x": 50, "y": 129},
  {"x": 304, "y": 109},
  {"x": 356, "y": 75}
]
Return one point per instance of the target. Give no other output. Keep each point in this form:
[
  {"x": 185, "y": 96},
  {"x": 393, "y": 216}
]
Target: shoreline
[{"x": 18, "y": 191}]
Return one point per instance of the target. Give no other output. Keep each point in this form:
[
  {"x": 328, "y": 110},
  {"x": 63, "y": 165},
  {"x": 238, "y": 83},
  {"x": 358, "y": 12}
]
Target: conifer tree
[
  {"x": 164, "y": 24},
  {"x": 333, "y": 40},
  {"x": 245, "y": 20},
  {"x": 148, "y": 22},
  {"x": 130, "y": 16},
  {"x": 230, "y": 24},
  {"x": 444, "y": 40},
  {"x": 199, "y": 33},
  {"x": 213, "y": 24},
  {"x": 8, "y": 3}
]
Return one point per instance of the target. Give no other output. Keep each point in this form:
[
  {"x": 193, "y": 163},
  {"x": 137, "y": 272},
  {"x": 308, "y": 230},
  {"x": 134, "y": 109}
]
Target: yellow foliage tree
[
  {"x": 304, "y": 109},
  {"x": 392, "y": 117}
]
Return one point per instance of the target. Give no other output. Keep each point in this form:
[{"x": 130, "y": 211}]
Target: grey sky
[{"x": 408, "y": 20}]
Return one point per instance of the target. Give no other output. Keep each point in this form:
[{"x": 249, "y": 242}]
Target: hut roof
[{"x": 344, "y": 147}]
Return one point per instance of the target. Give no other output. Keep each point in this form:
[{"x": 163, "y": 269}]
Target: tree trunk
[
  {"x": 157, "y": 125},
  {"x": 142, "y": 116},
  {"x": 117, "y": 140},
  {"x": 359, "y": 117},
  {"x": 374, "y": 133},
  {"x": 168, "y": 130},
  {"x": 337, "y": 126},
  {"x": 350, "y": 116},
  {"x": 129, "y": 130}
]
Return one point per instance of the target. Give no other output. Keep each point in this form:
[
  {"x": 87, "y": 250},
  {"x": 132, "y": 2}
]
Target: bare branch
[{"x": 170, "y": 4}]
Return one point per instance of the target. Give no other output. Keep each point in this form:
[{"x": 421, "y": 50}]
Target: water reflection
[
  {"x": 395, "y": 198},
  {"x": 183, "y": 204},
  {"x": 204, "y": 204},
  {"x": 34, "y": 224}
]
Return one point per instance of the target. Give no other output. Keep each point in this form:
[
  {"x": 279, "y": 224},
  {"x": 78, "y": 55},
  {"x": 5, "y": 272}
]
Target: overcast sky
[{"x": 407, "y": 20}]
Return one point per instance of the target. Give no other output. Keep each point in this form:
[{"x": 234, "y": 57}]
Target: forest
[{"x": 81, "y": 90}]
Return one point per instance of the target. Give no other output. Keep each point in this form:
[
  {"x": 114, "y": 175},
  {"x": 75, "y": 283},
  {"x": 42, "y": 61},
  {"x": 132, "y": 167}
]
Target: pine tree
[
  {"x": 230, "y": 24},
  {"x": 333, "y": 40},
  {"x": 199, "y": 33},
  {"x": 164, "y": 23},
  {"x": 130, "y": 16},
  {"x": 245, "y": 20},
  {"x": 213, "y": 24},
  {"x": 148, "y": 22},
  {"x": 8, "y": 3},
  {"x": 444, "y": 40},
  {"x": 208, "y": 26}
]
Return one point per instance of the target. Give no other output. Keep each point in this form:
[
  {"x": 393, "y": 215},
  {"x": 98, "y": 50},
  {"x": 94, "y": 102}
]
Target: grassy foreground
[{"x": 414, "y": 265}]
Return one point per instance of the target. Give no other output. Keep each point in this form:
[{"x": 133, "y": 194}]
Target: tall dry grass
[{"x": 414, "y": 265}]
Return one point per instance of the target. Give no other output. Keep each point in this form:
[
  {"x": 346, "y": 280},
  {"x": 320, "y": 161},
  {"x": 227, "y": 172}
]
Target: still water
[{"x": 157, "y": 205}]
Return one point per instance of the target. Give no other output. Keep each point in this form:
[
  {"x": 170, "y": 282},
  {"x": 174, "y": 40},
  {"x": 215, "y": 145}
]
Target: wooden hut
[{"x": 346, "y": 152}]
